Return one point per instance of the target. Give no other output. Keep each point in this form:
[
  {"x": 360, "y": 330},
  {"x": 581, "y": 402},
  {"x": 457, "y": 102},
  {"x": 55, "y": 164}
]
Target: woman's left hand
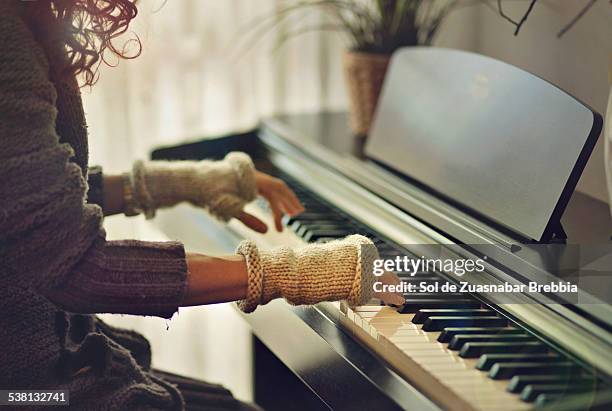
[{"x": 281, "y": 198}]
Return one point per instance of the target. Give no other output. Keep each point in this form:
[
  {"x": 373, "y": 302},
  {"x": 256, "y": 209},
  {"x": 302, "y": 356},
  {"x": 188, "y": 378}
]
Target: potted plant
[{"x": 374, "y": 29}]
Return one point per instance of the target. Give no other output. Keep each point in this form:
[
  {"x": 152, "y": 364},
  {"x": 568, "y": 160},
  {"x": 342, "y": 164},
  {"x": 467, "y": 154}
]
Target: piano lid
[{"x": 492, "y": 139}]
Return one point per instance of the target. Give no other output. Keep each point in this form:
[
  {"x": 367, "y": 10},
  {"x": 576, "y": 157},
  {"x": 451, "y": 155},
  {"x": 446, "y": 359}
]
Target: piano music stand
[{"x": 490, "y": 139}]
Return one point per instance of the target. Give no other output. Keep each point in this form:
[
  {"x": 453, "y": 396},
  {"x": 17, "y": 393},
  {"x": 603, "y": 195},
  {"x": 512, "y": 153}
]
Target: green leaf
[{"x": 379, "y": 26}]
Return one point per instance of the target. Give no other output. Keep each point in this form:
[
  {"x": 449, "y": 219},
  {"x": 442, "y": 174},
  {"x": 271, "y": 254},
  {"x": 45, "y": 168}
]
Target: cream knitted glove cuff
[
  {"x": 221, "y": 187},
  {"x": 337, "y": 270}
]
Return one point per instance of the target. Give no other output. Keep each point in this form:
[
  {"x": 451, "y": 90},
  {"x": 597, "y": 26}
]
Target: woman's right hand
[
  {"x": 392, "y": 298},
  {"x": 337, "y": 270}
]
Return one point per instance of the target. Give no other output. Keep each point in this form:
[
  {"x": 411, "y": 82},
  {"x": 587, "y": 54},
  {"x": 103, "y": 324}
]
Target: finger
[
  {"x": 290, "y": 208},
  {"x": 293, "y": 200},
  {"x": 396, "y": 299},
  {"x": 390, "y": 278},
  {"x": 297, "y": 204},
  {"x": 277, "y": 213},
  {"x": 252, "y": 222},
  {"x": 391, "y": 298}
]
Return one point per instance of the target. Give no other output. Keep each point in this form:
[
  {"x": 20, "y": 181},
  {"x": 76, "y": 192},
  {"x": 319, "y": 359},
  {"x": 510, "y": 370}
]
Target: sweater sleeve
[{"x": 51, "y": 240}]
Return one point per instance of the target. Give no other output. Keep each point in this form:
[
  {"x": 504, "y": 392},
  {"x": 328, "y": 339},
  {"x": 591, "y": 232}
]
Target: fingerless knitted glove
[
  {"x": 221, "y": 187},
  {"x": 337, "y": 270}
]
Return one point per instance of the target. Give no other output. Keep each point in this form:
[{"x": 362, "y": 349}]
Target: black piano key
[
  {"x": 476, "y": 349},
  {"x": 417, "y": 281},
  {"x": 314, "y": 235},
  {"x": 425, "y": 313},
  {"x": 325, "y": 239},
  {"x": 505, "y": 371},
  {"x": 449, "y": 332},
  {"x": 438, "y": 323},
  {"x": 287, "y": 220},
  {"x": 327, "y": 227},
  {"x": 414, "y": 306},
  {"x": 598, "y": 400},
  {"x": 315, "y": 207},
  {"x": 487, "y": 361},
  {"x": 384, "y": 255},
  {"x": 421, "y": 274},
  {"x": 459, "y": 340},
  {"x": 532, "y": 391},
  {"x": 546, "y": 399},
  {"x": 380, "y": 244},
  {"x": 302, "y": 225},
  {"x": 389, "y": 251},
  {"x": 432, "y": 278},
  {"x": 308, "y": 200},
  {"x": 301, "y": 229},
  {"x": 389, "y": 258},
  {"x": 296, "y": 226},
  {"x": 308, "y": 216},
  {"x": 427, "y": 296},
  {"x": 519, "y": 382},
  {"x": 299, "y": 191}
]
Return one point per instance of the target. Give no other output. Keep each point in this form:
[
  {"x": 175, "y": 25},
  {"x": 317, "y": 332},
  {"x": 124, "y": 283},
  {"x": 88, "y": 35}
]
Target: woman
[{"x": 56, "y": 265}]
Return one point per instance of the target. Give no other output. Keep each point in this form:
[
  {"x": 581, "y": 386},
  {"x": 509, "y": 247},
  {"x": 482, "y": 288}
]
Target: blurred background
[{"x": 204, "y": 72}]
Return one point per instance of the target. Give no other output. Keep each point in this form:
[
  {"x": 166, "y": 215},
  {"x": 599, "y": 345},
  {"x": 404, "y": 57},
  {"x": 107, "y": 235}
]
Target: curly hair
[{"x": 89, "y": 30}]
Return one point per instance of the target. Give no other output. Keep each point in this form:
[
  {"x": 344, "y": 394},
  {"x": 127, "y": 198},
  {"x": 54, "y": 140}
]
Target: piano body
[{"x": 445, "y": 166}]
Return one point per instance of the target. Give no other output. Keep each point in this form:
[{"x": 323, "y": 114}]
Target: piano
[{"x": 467, "y": 155}]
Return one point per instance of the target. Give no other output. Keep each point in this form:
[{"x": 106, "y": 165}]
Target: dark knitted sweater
[{"x": 54, "y": 258}]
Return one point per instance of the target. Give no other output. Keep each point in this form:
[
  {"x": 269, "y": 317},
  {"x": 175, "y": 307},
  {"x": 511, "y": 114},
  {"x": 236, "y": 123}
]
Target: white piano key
[{"x": 454, "y": 375}]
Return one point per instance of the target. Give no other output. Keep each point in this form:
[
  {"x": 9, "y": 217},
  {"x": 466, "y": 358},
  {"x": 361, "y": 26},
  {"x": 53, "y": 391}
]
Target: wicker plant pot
[{"x": 364, "y": 74}]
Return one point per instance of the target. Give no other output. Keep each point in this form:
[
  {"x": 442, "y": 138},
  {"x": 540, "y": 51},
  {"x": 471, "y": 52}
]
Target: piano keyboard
[{"x": 455, "y": 349}]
